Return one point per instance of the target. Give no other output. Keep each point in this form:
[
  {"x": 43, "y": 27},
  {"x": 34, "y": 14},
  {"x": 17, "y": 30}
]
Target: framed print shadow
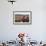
[{"x": 22, "y": 17}]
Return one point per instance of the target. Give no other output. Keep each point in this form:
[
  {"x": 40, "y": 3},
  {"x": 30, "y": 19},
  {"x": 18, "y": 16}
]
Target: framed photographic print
[{"x": 22, "y": 17}]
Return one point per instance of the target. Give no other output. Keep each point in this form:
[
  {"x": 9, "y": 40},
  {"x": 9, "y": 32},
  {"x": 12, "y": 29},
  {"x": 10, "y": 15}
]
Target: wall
[{"x": 9, "y": 31}]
